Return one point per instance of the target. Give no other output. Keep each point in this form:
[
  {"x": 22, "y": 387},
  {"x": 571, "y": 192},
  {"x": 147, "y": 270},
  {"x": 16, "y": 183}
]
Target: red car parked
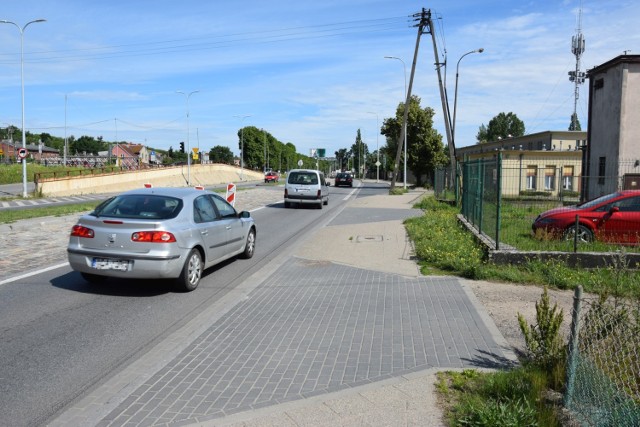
[{"x": 614, "y": 218}]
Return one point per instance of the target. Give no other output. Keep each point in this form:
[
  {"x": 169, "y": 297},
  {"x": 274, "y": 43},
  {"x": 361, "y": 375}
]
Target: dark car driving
[{"x": 343, "y": 178}]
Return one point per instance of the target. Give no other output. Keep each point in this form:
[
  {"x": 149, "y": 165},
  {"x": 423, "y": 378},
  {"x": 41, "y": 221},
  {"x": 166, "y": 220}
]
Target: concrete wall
[{"x": 205, "y": 175}]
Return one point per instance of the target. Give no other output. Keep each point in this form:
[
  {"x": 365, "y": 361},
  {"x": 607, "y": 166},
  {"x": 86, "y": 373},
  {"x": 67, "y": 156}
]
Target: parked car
[
  {"x": 343, "y": 178},
  {"x": 159, "y": 233},
  {"x": 614, "y": 218},
  {"x": 306, "y": 187},
  {"x": 271, "y": 177}
]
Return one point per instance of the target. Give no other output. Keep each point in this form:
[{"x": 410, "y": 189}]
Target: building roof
[{"x": 621, "y": 59}]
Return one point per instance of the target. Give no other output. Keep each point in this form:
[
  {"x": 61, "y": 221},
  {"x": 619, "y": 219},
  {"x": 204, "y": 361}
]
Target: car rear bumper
[{"x": 140, "y": 267}]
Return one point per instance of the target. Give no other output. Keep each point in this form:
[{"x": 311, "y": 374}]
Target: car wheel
[
  {"x": 287, "y": 205},
  {"x": 93, "y": 278},
  {"x": 191, "y": 272},
  {"x": 584, "y": 234},
  {"x": 326, "y": 202},
  {"x": 250, "y": 245}
]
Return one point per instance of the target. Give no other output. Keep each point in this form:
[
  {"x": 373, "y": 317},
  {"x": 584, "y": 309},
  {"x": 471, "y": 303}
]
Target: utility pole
[
  {"x": 445, "y": 106},
  {"x": 422, "y": 18}
]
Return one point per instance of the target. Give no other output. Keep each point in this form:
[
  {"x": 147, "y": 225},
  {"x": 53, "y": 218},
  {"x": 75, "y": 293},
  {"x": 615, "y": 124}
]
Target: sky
[{"x": 311, "y": 73}]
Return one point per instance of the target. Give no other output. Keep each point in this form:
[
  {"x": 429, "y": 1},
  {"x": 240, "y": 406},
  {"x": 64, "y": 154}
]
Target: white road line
[{"x": 33, "y": 273}]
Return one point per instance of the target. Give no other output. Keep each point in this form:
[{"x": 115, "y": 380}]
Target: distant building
[
  {"x": 545, "y": 162},
  {"x": 612, "y": 159}
]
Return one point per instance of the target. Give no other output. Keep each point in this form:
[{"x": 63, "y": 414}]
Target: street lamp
[
  {"x": 377, "y": 148},
  {"x": 404, "y": 180},
  {"x": 455, "y": 97},
  {"x": 242, "y": 145},
  {"x": 24, "y": 138},
  {"x": 187, "y": 96}
]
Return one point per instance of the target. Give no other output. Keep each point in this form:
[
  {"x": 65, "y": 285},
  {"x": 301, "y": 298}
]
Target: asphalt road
[{"x": 60, "y": 335}]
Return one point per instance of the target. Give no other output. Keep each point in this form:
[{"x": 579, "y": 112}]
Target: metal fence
[
  {"x": 603, "y": 367},
  {"x": 501, "y": 196}
]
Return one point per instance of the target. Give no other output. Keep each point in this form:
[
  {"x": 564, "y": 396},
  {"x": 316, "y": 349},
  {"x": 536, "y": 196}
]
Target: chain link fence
[
  {"x": 603, "y": 367},
  {"x": 501, "y": 196}
]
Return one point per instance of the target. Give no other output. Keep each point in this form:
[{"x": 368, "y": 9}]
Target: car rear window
[
  {"x": 306, "y": 178},
  {"x": 140, "y": 206}
]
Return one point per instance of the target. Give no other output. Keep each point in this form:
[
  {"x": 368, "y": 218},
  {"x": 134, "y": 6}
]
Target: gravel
[{"x": 504, "y": 301}]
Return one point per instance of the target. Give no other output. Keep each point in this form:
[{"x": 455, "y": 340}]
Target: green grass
[
  {"x": 497, "y": 399},
  {"x": 443, "y": 246},
  {"x": 12, "y": 174},
  {"x": 515, "y": 230},
  {"x": 12, "y": 215}
]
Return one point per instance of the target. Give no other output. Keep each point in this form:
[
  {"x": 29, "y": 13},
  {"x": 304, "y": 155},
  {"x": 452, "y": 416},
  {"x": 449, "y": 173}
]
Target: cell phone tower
[{"x": 577, "y": 76}]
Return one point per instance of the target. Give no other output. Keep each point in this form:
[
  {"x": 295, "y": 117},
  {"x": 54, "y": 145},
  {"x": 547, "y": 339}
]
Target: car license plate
[
  {"x": 302, "y": 190},
  {"x": 110, "y": 264}
]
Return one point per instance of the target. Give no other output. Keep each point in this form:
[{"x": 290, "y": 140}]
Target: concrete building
[
  {"x": 547, "y": 162},
  {"x": 612, "y": 159}
]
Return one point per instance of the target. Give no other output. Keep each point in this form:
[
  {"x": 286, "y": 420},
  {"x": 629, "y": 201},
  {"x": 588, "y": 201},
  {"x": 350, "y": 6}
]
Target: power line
[{"x": 215, "y": 41}]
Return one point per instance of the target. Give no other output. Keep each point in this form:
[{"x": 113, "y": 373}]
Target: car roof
[
  {"x": 305, "y": 170},
  {"x": 179, "y": 192}
]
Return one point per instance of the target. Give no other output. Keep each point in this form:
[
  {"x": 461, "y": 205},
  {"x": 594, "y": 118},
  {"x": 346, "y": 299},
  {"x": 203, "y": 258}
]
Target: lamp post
[
  {"x": 242, "y": 145},
  {"x": 455, "y": 96},
  {"x": 187, "y": 96},
  {"x": 377, "y": 148},
  {"x": 404, "y": 180},
  {"x": 24, "y": 137}
]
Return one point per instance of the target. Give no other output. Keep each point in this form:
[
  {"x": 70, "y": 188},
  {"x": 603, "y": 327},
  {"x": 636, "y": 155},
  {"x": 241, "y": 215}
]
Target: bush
[{"x": 543, "y": 339}]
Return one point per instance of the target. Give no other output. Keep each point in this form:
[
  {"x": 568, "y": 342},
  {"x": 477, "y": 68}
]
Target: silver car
[
  {"x": 306, "y": 187},
  {"x": 160, "y": 233}
]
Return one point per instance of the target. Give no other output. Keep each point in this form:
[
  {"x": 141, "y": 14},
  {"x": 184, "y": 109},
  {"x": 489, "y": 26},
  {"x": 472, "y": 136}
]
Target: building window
[
  {"x": 567, "y": 178},
  {"x": 550, "y": 178},
  {"x": 602, "y": 163},
  {"x": 598, "y": 84},
  {"x": 531, "y": 177}
]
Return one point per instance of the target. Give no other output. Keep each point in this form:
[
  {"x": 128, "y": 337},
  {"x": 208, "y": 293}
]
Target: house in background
[
  {"x": 545, "y": 162},
  {"x": 612, "y": 158}
]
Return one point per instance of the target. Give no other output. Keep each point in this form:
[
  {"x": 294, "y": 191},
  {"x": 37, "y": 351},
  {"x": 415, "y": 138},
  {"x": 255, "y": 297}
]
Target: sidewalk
[{"x": 350, "y": 336}]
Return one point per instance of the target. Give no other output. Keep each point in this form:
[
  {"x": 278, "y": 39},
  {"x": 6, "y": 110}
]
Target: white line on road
[{"x": 33, "y": 273}]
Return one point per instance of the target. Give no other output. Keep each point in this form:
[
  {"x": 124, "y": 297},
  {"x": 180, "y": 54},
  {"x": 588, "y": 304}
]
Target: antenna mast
[{"x": 577, "y": 76}]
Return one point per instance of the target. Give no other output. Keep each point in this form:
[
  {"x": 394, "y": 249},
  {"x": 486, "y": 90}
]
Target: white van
[{"x": 306, "y": 187}]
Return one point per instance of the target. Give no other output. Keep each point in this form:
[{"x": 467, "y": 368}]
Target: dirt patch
[{"x": 503, "y": 302}]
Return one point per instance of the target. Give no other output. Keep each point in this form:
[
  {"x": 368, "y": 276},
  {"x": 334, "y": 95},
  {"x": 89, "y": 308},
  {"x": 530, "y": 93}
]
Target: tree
[
  {"x": 482, "y": 135},
  {"x": 220, "y": 154},
  {"x": 359, "y": 151},
  {"x": 425, "y": 149},
  {"x": 575, "y": 123},
  {"x": 86, "y": 144},
  {"x": 502, "y": 126},
  {"x": 342, "y": 157}
]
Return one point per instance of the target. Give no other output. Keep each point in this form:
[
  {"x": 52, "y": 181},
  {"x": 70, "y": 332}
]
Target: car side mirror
[
  {"x": 244, "y": 214},
  {"x": 614, "y": 209}
]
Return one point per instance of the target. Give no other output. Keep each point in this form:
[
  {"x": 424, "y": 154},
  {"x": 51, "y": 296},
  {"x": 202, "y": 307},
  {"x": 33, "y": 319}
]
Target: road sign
[
  {"x": 22, "y": 153},
  {"x": 231, "y": 194},
  {"x": 300, "y": 163},
  {"x": 1, "y": 152},
  {"x": 321, "y": 152}
]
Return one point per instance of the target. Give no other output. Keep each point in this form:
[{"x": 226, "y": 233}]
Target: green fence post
[
  {"x": 498, "y": 198},
  {"x": 572, "y": 357},
  {"x": 481, "y": 194}
]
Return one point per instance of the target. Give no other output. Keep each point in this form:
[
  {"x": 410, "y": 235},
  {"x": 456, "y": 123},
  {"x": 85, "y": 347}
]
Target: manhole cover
[{"x": 364, "y": 239}]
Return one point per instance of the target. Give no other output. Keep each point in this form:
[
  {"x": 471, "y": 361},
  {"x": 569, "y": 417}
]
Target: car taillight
[
  {"x": 319, "y": 196},
  {"x": 286, "y": 193},
  {"x": 153, "y": 237},
  {"x": 81, "y": 231}
]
